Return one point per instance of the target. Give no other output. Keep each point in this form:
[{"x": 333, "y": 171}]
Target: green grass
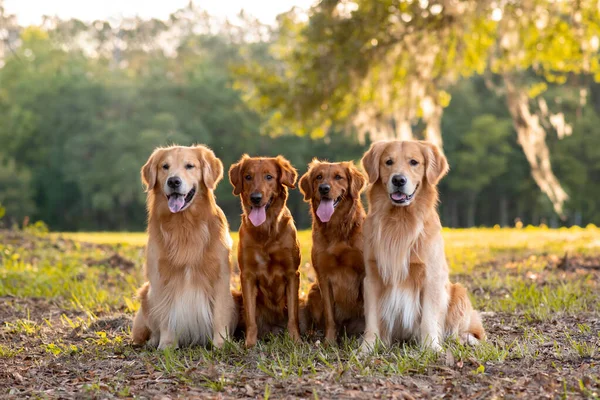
[
  {"x": 536, "y": 315},
  {"x": 63, "y": 271},
  {"x": 68, "y": 279}
]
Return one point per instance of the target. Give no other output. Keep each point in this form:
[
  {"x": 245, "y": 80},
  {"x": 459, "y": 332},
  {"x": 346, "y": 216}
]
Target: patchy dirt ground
[{"x": 66, "y": 306}]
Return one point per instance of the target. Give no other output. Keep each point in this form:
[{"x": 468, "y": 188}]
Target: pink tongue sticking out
[
  {"x": 176, "y": 203},
  {"x": 325, "y": 210},
  {"x": 398, "y": 196},
  {"x": 258, "y": 215}
]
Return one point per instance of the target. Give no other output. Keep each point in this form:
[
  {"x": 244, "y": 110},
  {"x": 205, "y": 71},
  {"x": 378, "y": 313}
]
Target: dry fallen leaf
[{"x": 18, "y": 377}]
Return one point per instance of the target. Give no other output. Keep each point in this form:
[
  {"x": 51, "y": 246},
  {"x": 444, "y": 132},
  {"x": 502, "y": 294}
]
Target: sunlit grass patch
[
  {"x": 59, "y": 348},
  {"x": 64, "y": 276},
  {"x": 74, "y": 285},
  {"x": 543, "y": 302},
  {"x": 8, "y": 352},
  {"x": 130, "y": 238},
  {"x": 281, "y": 359},
  {"x": 22, "y": 327}
]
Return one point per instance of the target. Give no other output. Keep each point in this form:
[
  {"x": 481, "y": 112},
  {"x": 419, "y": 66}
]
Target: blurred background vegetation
[{"x": 509, "y": 88}]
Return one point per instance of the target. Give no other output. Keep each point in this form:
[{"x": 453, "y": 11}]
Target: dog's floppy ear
[
  {"x": 212, "y": 167},
  {"x": 288, "y": 173},
  {"x": 305, "y": 182},
  {"x": 437, "y": 164},
  {"x": 305, "y": 185},
  {"x": 357, "y": 180},
  {"x": 235, "y": 175},
  {"x": 370, "y": 160},
  {"x": 148, "y": 171}
]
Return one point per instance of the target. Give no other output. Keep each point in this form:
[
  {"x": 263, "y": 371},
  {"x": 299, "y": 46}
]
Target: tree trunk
[
  {"x": 432, "y": 116},
  {"x": 402, "y": 124},
  {"x": 532, "y": 138},
  {"x": 404, "y": 130}
]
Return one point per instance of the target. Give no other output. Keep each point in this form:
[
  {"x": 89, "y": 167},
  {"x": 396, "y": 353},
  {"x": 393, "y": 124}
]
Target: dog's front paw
[
  {"x": 294, "y": 331},
  {"x": 218, "y": 341},
  {"x": 250, "y": 342},
  {"x": 330, "y": 337},
  {"x": 468, "y": 339},
  {"x": 167, "y": 344},
  {"x": 368, "y": 345},
  {"x": 153, "y": 341},
  {"x": 251, "y": 336},
  {"x": 432, "y": 344}
]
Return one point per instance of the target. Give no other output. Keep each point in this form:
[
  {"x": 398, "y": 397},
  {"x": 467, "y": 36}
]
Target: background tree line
[{"x": 82, "y": 106}]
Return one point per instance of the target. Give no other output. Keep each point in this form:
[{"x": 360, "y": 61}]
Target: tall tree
[
  {"x": 381, "y": 66},
  {"x": 482, "y": 155}
]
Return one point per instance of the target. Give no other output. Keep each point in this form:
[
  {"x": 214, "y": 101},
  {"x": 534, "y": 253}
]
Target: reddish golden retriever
[
  {"x": 268, "y": 251},
  {"x": 187, "y": 299},
  {"x": 335, "y": 301},
  {"x": 407, "y": 290}
]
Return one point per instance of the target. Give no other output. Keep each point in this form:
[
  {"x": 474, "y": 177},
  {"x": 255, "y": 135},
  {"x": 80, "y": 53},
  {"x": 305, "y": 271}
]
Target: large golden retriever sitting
[
  {"x": 268, "y": 251},
  {"x": 187, "y": 299},
  {"x": 407, "y": 290},
  {"x": 335, "y": 301}
]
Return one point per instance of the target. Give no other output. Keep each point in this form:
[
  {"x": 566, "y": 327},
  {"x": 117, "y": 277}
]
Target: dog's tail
[
  {"x": 310, "y": 311},
  {"x": 140, "y": 332},
  {"x": 462, "y": 320},
  {"x": 476, "y": 326},
  {"x": 304, "y": 316},
  {"x": 240, "y": 326}
]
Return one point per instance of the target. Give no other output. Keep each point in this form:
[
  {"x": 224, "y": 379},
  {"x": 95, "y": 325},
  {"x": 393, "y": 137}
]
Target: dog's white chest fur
[
  {"x": 190, "y": 316},
  {"x": 400, "y": 311}
]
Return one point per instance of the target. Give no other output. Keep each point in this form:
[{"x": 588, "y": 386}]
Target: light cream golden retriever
[
  {"x": 407, "y": 290},
  {"x": 187, "y": 299}
]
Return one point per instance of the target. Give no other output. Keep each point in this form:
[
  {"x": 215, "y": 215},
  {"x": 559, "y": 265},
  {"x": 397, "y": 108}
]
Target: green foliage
[
  {"x": 367, "y": 57},
  {"x": 76, "y": 129},
  {"x": 482, "y": 154},
  {"x": 16, "y": 195}
]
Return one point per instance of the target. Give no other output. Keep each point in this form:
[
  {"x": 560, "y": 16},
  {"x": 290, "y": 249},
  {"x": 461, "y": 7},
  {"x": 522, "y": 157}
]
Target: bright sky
[{"x": 30, "y": 12}]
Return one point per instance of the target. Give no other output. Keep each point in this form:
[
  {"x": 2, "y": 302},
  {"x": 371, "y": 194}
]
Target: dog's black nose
[
  {"x": 324, "y": 188},
  {"x": 399, "y": 180},
  {"x": 174, "y": 182},
  {"x": 255, "y": 198}
]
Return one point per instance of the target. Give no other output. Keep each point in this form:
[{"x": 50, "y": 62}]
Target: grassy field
[{"x": 67, "y": 302}]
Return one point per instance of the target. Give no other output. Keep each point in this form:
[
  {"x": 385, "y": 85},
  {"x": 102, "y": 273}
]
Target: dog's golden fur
[
  {"x": 187, "y": 299},
  {"x": 335, "y": 301},
  {"x": 407, "y": 289},
  {"x": 268, "y": 254}
]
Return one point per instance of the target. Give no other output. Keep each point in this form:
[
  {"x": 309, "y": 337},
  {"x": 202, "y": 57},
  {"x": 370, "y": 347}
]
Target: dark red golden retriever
[
  {"x": 335, "y": 301},
  {"x": 268, "y": 250}
]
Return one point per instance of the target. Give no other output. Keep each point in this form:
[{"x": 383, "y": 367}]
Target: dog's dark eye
[
  {"x": 337, "y": 177},
  {"x": 319, "y": 177},
  {"x": 248, "y": 177},
  {"x": 165, "y": 166},
  {"x": 414, "y": 162},
  {"x": 189, "y": 166},
  {"x": 269, "y": 177},
  {"x": 389, "y": 162}
]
